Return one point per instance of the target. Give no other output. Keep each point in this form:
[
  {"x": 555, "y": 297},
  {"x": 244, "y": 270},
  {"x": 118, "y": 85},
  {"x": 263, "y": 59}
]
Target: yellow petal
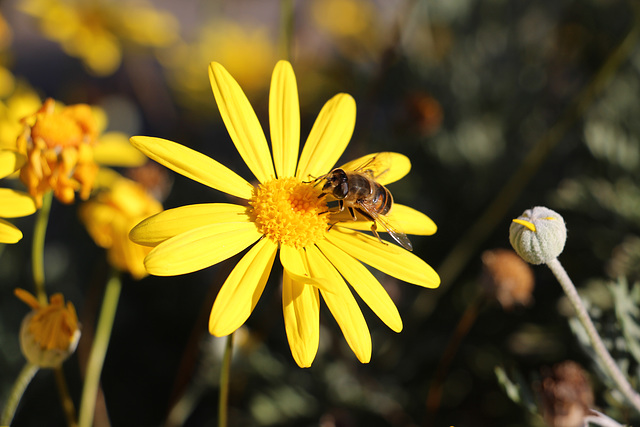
[
  {"x": 10, "y": 161},
  {"x": 242, "y": 289},
  {"x": 301, "y": 310},
  {"x": 200, "y": 248},
  {"x": 365, "y": 284},
  {"x": 388, "y": 258},
  {"x": 284, "y": 119},
  {"x": 241, "y": 122},
  {"x": 114, "y": 149},
  {"x": 386, "y": 167},
  {"x": 9, "y": 233},
  {"x": 294, "y": 262},
  {"x": 167, "y": 224},
  {"x": 328, "y": 138},
  {"x": 15, "y": 204},
  {"x": 401, "y": 217},
  {"x": 342, "y": 305},
  {"x": 193, "y": 165}
]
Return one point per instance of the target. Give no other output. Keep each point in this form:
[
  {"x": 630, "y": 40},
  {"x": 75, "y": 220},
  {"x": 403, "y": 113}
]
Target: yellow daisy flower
[
  {"x": 285, "y": 214},
  {"x": 13, "y": 203},
  {"x": 112, "y": 214}
]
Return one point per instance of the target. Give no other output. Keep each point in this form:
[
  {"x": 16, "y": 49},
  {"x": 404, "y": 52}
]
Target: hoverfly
[{"x": 357, "y": 186}]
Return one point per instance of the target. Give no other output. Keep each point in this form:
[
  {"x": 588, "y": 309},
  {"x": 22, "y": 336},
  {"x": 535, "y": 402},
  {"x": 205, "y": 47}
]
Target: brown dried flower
[
  {"x": 566, "y": 395},
  {"x": 507, "y": 278}
]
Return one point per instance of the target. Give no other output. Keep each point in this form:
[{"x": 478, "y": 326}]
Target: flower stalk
[
  {"x": 37, "y": 255},
  {"x": 37, "y": 264},
  {"x": 99, "y": 349},
  {"x": 581, "y": 312},
  {"x": 225, "y": 374},
  {"x": 18, "y": 389}
]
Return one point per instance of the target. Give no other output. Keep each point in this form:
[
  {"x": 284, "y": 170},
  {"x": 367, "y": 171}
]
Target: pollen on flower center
[{"x": 290, "y": 212}]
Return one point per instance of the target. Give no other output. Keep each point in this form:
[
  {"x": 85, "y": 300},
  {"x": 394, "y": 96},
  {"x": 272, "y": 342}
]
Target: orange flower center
[{"x": 290, "y": 212}]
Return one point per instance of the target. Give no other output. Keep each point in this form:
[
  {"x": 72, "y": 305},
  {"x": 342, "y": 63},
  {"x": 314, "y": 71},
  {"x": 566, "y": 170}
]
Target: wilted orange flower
[
  {"x": 50, "y": 332},
  {"x": 60, "y": 143}
]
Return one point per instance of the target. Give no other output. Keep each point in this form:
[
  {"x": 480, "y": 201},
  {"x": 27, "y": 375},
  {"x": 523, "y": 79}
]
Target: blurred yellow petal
[
  {"x": 365, "y": 284},
  {"x": 294, "y": 262},
  {"x": 386, "y": 167},
  {"x": 10, "y": 161},
  {"x": 114, "y": 149},
  {"x": 388, "y": 258},
  {"x": 401, "y": 217},
  {"x": 241, "y": 122},
  {"x": 284, "y": 119},
  {"x": 329, "y": 137},
  {"x": 193, "y": 165},
  {"x": 342, "y": 305},
  {"x": 14, "y": 204},
  {"x": 9, "y": 233},
  {"x": 242, "y": 289},
  {"x": 301, "y": 310},
  {"x": 165, "y": 225},
  {"x": 200, "y": 248}
]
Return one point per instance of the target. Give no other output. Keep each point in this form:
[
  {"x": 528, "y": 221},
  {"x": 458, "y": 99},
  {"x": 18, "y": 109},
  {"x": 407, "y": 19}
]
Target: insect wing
[
  {"x": 396, "y": 234},
  {"x": 384, "y": 167}
]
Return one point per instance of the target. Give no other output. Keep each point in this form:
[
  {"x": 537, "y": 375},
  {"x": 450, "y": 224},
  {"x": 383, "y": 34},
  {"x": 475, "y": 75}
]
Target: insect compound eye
[{"x": 343, "y": 190}]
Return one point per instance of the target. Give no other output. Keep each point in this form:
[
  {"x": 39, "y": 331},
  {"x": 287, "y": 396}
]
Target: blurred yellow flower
[
  {"x": 247, "y": 51},
  {"x": 22, "y": 102},
  {"x": 49, "y": 333},
  {"x": 285, "y": 215},
  {"x": 358, "y": 29},
  {"x": 59, "y": 143},
  {"x": 97, "y": 31},
  {"x": 109, "y": 217},
  {"x": 13, "y": 203}
]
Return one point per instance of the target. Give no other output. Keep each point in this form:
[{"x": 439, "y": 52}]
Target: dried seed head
[
  {"x": 507, "y": 278},
  {"x": 566, "y": 395}
]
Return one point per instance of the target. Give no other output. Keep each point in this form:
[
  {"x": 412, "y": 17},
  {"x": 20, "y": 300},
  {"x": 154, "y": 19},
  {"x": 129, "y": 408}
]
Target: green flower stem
[
  {"x": 99, "y": 348},
  {"x": 18, "y": 389},
  {"x": 225, "y": 374},
  {"x": 609, "y": 364},
  {"x": 65, "y": 398},
  {"x": 37, "y": 254},
  {"x": 37, "y": 265}
]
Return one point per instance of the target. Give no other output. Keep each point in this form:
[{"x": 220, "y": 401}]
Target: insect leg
[
  {"x": 353, "y": 213},
  {"x": 374, "y": 225}
]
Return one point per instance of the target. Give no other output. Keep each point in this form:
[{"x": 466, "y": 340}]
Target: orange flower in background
[
  {"x": 58, "y": 145},
  {"x": 112, "y": 214},
  {"x": 59, "y": 142},
  {"x": 49, "y": 333}
]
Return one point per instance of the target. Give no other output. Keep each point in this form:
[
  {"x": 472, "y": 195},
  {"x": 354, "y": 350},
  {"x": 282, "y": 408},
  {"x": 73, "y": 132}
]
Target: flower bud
[
  {"x": 538, "y": 235},
  {"x": 49, "y": 333}
]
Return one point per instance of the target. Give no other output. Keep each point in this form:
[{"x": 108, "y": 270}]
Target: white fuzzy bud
[{"x": 538, "y": 235}]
